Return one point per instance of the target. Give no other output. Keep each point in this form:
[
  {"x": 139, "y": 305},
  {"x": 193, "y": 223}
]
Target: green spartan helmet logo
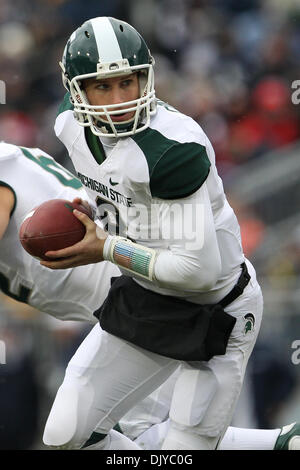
[{"x": 249, "y": 323}]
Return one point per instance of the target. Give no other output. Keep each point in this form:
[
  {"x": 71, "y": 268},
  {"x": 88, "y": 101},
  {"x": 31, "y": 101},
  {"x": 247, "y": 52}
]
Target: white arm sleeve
[{"x": 192, "y": 261}]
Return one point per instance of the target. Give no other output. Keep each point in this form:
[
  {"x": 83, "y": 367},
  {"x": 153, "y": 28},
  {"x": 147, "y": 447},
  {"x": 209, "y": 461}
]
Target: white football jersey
[
  {"x": 170, "y": 160},
  {"x": 72, "y": 294}
]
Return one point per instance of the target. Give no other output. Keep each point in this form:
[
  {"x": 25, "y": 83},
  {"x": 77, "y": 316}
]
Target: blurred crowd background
[{"x": 230, "y": 64}]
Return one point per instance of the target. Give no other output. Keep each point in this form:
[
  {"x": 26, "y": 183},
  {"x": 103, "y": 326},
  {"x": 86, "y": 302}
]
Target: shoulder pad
[{"x": 176, "y": 169}]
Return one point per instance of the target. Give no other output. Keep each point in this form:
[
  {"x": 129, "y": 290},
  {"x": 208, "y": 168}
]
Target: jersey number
[
  {"x": 63, "y": 175},
  {"x": 109, "y": 215}
]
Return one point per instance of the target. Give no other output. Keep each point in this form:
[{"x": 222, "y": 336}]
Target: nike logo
[{"x": 113, "y": 183}]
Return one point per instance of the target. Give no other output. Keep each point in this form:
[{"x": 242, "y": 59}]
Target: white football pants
[{"x": 108, "y": 376}]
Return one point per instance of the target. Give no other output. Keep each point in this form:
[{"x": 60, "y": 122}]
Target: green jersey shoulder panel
[{"x": 176, "y": 169}]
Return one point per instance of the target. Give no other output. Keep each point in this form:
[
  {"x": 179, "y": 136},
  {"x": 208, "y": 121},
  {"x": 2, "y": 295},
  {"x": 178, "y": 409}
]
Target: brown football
[{"x": 52, "y": 226}]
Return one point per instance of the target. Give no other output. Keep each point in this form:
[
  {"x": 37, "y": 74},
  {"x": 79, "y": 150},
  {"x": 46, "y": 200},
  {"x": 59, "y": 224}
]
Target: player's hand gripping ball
[{"x": 52, "y": 226}]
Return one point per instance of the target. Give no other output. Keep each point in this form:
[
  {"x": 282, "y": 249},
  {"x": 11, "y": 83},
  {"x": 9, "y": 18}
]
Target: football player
[
  {"x": 74, "y": 294},
  {"x": 187, "y": 295},
  {"x": 134, "y": 153}
]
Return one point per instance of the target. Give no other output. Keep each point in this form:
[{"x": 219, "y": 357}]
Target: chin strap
[{"x": 105, "y": 127}]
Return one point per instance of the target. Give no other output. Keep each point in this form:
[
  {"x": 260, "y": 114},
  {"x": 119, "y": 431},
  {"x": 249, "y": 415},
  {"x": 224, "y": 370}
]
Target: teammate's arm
[{"x": 7, "y": 202}]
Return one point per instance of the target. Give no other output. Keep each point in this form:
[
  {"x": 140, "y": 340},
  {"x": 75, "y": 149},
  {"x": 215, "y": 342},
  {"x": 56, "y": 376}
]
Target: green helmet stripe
[
  {"x": 107, "y": 43},
  {"x": 131, "y": 43}
]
